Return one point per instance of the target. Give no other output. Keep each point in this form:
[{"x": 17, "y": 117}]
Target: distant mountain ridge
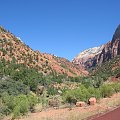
[
  {"x": 12, "y": 48},
  {"x": 86, "y": 57},
  {"x": 98, "y": 55}
]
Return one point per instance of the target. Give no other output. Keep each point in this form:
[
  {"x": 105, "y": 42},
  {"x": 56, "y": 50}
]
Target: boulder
[
  {"x": 92, "y": 101},
  {"x": 80, "y": 104}
]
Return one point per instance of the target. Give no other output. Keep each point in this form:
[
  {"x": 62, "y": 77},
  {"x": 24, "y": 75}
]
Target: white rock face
[
  {"x": 90, "y": 52},
  {"x": 86, "y": 58}
]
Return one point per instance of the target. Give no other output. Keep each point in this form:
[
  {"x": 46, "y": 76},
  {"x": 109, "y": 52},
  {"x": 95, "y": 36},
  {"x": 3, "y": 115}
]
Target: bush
[
  {"x": 3, "y": 109},
  {"x": 16, "y": 112},
  {"x": 116, "y": 87},
  {"x": 33, "y": 100},
  {"x": 106, "y": 90},
  {"x": 80, "y": 93},
  {"x": 94, "y": 92},
  {"x": 21, "y": 104},
  {"x": 18, "y": 105},
  {"x": 68, "y": 97},
  {"x": 8, "y": 101}
]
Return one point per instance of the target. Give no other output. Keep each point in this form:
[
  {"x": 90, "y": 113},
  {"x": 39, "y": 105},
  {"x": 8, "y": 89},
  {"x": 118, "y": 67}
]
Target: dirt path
[
  {"x": 77, "y": 113},
  {"x": 112, "y": 115}
]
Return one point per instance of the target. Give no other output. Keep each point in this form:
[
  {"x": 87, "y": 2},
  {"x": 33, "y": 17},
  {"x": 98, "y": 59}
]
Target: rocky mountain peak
[
  {"x": 90, "y": 52},
  {"x": 116, "y": 34},
  {"x": 86, "y": 57},
  {"x": 97, "y": 55}
]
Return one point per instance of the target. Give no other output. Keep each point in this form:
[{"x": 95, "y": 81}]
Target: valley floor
[{"x": 77, "y": 113}]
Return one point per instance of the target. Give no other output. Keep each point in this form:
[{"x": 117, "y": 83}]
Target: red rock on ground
[
  {"x": 92, "y": 101},
  {"x": 80, "y": 104}
]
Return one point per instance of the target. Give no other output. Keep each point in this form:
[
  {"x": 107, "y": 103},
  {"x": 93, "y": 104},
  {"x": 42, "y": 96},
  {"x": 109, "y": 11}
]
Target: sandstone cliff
[{"x": 95, "y": 56}]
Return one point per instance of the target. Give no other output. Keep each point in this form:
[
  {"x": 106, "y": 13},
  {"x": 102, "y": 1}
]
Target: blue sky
[{"x": 61, "y": 27}]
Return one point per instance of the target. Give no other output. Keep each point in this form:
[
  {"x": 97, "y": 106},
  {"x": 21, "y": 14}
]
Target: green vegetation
[
  {"x": 17, "y": 105},
  {"x": 83, "y": 94},
  {"x": 16, "y": 84},
  {"x": 19, "y": 85},
  {"x": 15, "y": 97},
  {"x": 106, "y": 70},
  {"x": 94, "y": 85}
]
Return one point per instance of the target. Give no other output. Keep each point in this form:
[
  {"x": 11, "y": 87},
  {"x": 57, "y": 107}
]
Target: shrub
[
  {"x": 8, "y": 102},
  {"x": 116, "y": 87},
  {"x": 94, "y": 92},
  {"x": 32, "y": 101},
  {"x": 23, "y": 103},
  {"x": 16, "y": 112},
  {"x": 3, "y": 109},
  {"x": 106, "y": 90},
  {"x": 68, "y": 96},
  {"x": 80, "y": 93}
]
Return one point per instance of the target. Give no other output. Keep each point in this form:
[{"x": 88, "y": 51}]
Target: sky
[{"x": 61, "y": 27}]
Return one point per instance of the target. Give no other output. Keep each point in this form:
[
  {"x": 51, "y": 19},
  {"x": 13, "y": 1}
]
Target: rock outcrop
[
  {"x": 88, "y": 58},
  {"x": 97, "y": 55}
]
